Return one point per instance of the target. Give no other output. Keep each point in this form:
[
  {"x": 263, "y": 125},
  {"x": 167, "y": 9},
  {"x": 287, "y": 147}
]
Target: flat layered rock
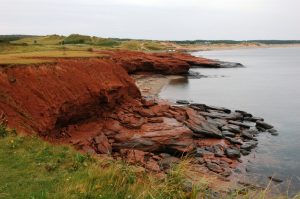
[
  {"x": 234, "y": 141},
  {"x": 200, "y": 152},
  {"x": 232, "y": 128},
  {"x": 204, "y": 130},
  {"x": 214, "y": 114},
  {"x": 153, "y": 137},
  {"x": 228, "y": 134},
  {"x": 183, "y": 102},
  {"x": 232, "y": 153},
  {"x": 249, "y": 145},
  {"x": 253, "y": 119},
  {"x": 214, "y": 167},
  {"x": 244, "y": 125},
  {"x": 264, "y": 125}
]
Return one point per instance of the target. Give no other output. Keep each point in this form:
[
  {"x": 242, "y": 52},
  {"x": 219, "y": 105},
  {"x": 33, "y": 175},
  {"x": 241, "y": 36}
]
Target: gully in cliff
[{"x": 95, "y": 105}]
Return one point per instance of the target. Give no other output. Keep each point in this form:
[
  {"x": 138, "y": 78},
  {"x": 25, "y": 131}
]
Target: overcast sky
[{"x": 154, "y": 19}]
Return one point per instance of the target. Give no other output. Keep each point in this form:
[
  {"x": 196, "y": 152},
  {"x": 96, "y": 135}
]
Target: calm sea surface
[{"x": 269, "y": 87}]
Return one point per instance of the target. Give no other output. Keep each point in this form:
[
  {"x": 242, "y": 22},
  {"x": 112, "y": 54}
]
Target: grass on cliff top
[
  {"x": 45, "y": 40},
  {"x": 32, "y": 168},
  {"x": 23, "y": 50},
  {"x": 44, "y": 56}
]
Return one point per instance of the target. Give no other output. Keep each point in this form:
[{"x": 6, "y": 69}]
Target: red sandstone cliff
[
  {"x": 163, "y": 63},
  {"x": 48, "y": 96}
]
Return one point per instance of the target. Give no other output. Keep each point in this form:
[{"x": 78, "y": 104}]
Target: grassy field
[
  {"x": 30, "y": 49},
  {"x": 46, "y": 56}
]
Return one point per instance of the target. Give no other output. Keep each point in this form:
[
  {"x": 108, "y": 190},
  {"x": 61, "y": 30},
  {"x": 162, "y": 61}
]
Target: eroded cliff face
[
  {"x": 46, "y": 97},
  {"x": 162, "y": 63}
]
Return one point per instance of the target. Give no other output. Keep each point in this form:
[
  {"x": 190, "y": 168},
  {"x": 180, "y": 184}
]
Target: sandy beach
[{"x": 150, "y": 85}]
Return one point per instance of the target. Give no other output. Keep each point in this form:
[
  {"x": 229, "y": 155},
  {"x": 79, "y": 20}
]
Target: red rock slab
[{"x": 152, "y": 137}]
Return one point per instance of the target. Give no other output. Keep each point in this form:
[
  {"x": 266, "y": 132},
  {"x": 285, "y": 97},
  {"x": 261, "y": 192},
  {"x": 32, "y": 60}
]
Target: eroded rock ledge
[
  {"x": 94, "y": 105},
  {"x": 155, "y": 134}
]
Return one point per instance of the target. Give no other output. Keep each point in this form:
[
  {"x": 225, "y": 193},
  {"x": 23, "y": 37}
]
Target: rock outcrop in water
[{"x": 94, "y": 105}]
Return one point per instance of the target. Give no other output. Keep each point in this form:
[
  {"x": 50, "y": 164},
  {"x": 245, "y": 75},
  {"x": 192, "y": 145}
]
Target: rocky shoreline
[
  {"x": 94, "y": 105},
  {"x": 158, "y": 134}
]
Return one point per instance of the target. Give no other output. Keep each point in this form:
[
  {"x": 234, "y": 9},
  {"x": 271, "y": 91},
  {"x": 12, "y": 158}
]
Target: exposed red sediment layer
[
  {"x": 163, "y": 63},
  {"x": 49, "y": 96}
]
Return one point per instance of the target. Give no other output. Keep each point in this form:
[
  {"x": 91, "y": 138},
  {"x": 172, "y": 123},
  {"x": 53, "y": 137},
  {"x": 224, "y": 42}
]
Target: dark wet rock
[
  {"x": 232, "y": 153},
  {"x": 203, "y": 129},
  {"x": 275, "y": 179},
  {"x": 194, "y": 75},
  {"x": 261, "y": 129},
  {"x": 198, "y": 107},
  {"x": 168, "y": 162},
  {"x": 209, "y": 148},
  {"x": 253, "y": 132},
  {"x": 247, "y": 135},
  {"x": 214, "y": 167},
  {"x": 253, "y": 119},
  {"x": 244, "y": 152},
  {"x": 273, "y": 132},
  {"x": 240, "y": 124},
  {"x": 215, "y": 114},
  {"x": 244, "y": 113},
  {"x": 222, "y": 109},
  {"x": 223, "y": 64},
  {"x": 200, "y": 152},
  {"x": 182, "y": 102},
  {"x": 232, "y": 128},
  {"x": 221, "y": 122},
  {"x": 233, "y": 140},
  {"x": 228, "y": 134},
  {"x": 264, "y": 125},
  {"x": 217, "y": 122},
  {"x": 249, "y": 145}
]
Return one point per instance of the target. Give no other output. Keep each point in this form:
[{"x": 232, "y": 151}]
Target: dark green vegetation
[{"x": 9, "y": 38}]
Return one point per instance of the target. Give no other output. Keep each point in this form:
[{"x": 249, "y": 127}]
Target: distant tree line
[{"x": 8, "y": 38}]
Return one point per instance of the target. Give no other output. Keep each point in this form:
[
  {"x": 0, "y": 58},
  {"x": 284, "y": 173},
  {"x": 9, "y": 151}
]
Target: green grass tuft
[{"x": 32, "y": 168}]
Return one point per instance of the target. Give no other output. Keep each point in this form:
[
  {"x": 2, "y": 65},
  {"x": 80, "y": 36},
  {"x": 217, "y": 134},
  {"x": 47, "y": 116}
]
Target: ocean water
[{"x": 268, "y": 87}]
